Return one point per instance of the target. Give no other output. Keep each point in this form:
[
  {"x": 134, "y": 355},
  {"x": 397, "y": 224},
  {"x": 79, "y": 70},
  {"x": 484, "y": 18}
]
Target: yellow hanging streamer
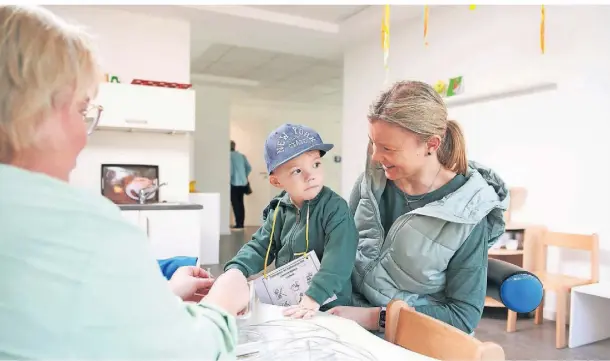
[
  {"x": 542, "y": 28},
  {"x": 273, "y": 231},
  {"x": 385, "y": 38},
  {"x": 385, "y": 29},
  {"x": 426, "y": 14}
]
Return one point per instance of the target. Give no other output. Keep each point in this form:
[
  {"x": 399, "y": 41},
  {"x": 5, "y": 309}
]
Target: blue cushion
[
  {"x": 521, "y": 292},
  {"x": 170, "y": 265}
]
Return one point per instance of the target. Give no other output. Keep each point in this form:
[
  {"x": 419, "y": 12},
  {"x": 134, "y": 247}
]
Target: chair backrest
[
  {"x": 582, "y": 242},
  {"x": 518, "y": 196},
  {"x": 433, "y": 338}
]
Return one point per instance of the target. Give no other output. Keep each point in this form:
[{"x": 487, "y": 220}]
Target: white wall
[
  {"x": 498, "y": 47},
  {"x": 136, "y": 46},
  {"x": 210, "y": 166},
  {"x": 250, "y": 126}
]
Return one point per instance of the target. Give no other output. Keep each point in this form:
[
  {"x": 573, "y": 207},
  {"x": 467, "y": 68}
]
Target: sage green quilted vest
[{"x": 409, "y": 261}]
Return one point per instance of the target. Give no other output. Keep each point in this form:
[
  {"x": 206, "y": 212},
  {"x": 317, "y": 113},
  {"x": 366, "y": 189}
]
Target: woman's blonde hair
[
  {"x": 418, "y": 108},
  {"x": 40, "y": 57}
]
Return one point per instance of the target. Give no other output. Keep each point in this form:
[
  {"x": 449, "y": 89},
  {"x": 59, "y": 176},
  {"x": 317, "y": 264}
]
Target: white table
[
  {"x": 347, "y": 331},
  {"x": 589, "y": 317}
]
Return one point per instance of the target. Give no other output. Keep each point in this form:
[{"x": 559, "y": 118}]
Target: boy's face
[{"x": 301, "y": 177}]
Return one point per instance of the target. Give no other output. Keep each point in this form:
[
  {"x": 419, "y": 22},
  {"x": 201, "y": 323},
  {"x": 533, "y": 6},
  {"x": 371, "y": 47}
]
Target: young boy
[{"x": 306, "y": 216}]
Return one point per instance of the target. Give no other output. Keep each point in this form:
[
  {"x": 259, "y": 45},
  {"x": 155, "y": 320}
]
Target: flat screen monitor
[{"x": 121, "y": 183}]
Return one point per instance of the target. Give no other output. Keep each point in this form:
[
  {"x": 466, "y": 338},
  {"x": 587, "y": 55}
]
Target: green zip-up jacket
[{"x": 332, "y": 235}]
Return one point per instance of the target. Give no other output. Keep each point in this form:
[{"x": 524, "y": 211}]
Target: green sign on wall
[{"x": 456, "y": 86}]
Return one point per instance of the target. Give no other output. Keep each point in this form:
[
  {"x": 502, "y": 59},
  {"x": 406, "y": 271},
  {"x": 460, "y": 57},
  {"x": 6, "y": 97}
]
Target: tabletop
[
  {"x": 328, "y": 337},
  {"x": 600, "y": 289}
]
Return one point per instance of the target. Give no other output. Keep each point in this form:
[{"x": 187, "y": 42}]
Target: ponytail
[{"x": 452, "y": 153}]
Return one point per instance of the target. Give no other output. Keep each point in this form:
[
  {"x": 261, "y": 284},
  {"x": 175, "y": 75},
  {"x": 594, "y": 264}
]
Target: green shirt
[
  {"x": 332, "y": 235},
  {"x": 79, "y": 282},
  {"x": 467, "y": 271}
]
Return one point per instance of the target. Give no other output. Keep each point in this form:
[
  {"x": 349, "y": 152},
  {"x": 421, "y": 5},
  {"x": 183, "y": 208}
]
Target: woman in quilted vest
[{"x": 426, "y": 216}]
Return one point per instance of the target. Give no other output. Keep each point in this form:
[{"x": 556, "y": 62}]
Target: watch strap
[{"x": 381, "y": 321}]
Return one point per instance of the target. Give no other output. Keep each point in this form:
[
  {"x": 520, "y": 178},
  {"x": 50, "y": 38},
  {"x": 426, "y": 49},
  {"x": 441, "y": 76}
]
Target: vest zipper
[
  {"x": 371, "y": 265},
  {"x": 385, "y": 234},
  {"x": 291, "y": 236},
  {"x": 398, "y": 223}
]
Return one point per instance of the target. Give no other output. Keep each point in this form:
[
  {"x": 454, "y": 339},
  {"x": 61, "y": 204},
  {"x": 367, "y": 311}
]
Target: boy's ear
[{"x": 274, "y": 181}]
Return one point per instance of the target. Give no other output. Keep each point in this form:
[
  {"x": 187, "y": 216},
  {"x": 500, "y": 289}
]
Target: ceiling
[
  {"x": 330, "y": 13},
  {"x": 307, "y": 69},
  {"x": 287, "y": 53},
  {"x": 275, "y": 76}
]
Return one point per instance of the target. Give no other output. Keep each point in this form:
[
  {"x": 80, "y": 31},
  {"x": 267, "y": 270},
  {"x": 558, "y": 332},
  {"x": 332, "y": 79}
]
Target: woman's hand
[
  {"x": 229, "y": 292},
  {"x": 190, "y": 283},
  {"x": 367, "y": 317},
  {"x": 306, "y": 309}
]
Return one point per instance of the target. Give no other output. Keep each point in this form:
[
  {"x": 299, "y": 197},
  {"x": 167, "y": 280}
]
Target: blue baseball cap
[{"x": 289, "y": 141}]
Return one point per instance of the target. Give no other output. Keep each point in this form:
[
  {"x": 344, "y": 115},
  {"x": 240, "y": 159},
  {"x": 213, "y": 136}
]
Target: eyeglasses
[{"x": 92, "y": 117}]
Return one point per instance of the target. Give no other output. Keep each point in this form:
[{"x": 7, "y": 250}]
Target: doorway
[{"x": 249, "y": 141}]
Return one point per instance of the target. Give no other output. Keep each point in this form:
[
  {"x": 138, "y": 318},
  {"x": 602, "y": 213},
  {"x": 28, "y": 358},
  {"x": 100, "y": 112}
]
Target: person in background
[
  {"x": 240, "y": 170},
  {"x": 78, "y": 280},
  {"x": 306, "y": 216},
  {"x": 425, "y": 215}
]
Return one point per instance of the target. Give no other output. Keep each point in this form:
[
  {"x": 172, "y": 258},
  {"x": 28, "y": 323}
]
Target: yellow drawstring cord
[
  {"x": 273, "y": 231},
  {"x": 270, "y": 239}
]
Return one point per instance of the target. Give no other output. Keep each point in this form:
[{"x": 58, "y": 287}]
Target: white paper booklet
[{"x": 285, "y": 286}]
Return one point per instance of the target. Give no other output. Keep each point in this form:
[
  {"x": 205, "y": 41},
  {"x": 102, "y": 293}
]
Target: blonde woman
[
  {"x": 78, "y": 282},
  {"x": 426, "y": 216}
]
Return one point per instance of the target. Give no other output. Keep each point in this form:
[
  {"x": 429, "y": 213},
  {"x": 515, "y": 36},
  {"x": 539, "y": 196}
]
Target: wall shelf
[{"x": 507, "y": 92}]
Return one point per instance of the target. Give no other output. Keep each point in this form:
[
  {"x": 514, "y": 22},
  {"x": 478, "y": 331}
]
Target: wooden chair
[
  {"x": 433, "y": 338},
  {"x": 518, "y": 196},
  {"x": 562, "y": 284}
]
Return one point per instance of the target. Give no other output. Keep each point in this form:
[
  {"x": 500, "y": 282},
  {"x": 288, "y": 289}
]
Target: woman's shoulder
[
  {"x": 21, "y": 188},
  {"x": 359, "y": 180},
  {"x": 91, "y": 220},
  {"x": 471, "y": 252},
  {"x": 355, "y": 192}
]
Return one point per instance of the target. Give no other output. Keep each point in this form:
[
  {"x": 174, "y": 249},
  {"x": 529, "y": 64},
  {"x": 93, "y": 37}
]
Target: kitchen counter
[{"x": 163, "y": 206}]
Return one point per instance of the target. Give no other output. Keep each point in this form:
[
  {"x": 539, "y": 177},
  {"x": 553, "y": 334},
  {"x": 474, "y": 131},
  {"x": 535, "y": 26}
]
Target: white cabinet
[
  {"x": 132, "y": 217},
  {"x": 147, "y": 108},
  {"x": 171, "y": 233}
]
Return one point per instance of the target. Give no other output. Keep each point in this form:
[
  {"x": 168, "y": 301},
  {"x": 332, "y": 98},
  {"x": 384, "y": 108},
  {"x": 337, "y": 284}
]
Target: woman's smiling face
[{"x": 400, "y": 152}]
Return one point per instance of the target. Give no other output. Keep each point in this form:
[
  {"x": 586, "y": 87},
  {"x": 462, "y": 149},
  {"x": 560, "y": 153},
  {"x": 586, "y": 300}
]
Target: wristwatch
[{"x": 381, "y": 321}]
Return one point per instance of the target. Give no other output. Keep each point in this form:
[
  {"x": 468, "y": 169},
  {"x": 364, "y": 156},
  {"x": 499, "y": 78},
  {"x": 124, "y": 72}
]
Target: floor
[{"x": 530, "y": 342}]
